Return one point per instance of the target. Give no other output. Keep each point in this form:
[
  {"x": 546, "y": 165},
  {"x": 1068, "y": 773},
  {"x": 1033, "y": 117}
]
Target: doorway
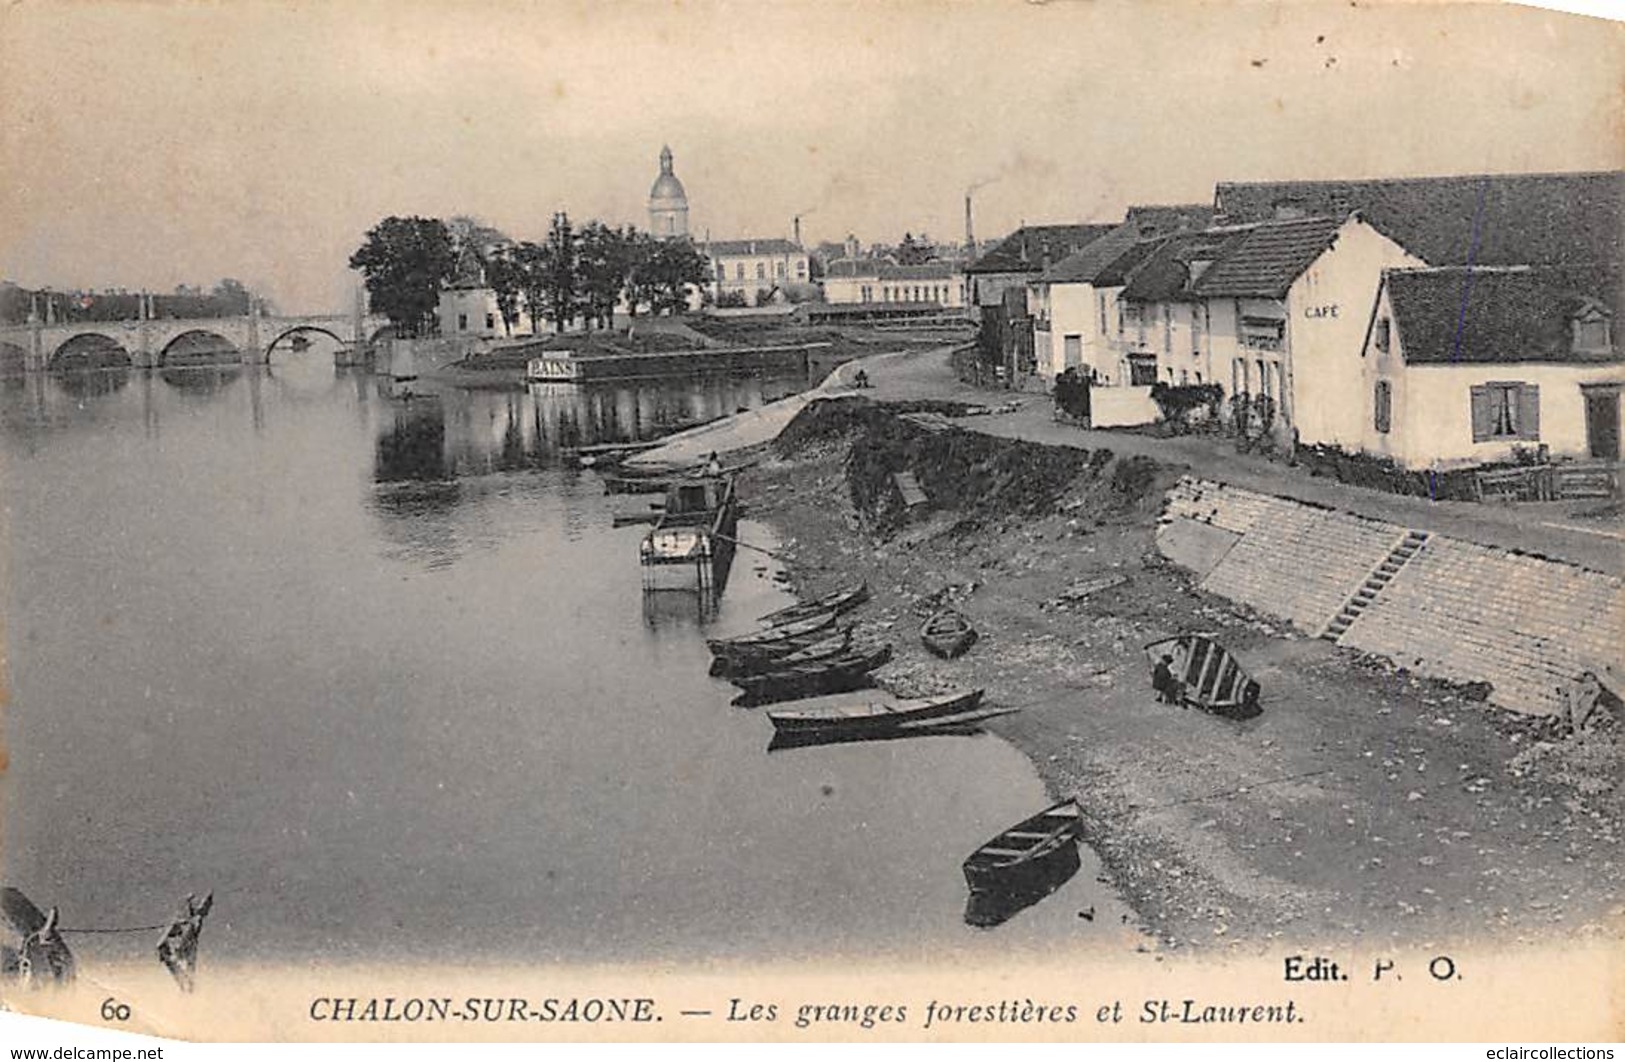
[{"x": 1602, "y": 421}]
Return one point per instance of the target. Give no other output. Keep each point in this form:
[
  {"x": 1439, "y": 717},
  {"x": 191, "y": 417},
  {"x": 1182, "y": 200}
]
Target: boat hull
[
  {"x": 879, "y": 717},
  {"x": 1208, "y": 676},
  {"x": 948, "y": 634},
  {"x": 840, "y": 601},
  {"x": 842, "y": 674}
]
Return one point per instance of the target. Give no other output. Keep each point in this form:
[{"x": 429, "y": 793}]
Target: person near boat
[{"x": 1170, "y": 690}]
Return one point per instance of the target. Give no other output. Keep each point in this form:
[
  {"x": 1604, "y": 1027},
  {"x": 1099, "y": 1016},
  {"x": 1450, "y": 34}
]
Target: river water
[{"x": 377, "y": 671}]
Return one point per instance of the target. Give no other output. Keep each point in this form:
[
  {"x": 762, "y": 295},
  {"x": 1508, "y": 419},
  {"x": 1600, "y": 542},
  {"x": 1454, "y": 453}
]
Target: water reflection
[
  {"x": 92, "y": 383},
  {"x": 782, "y": 741},
  {"x": 201, "y": 381}
]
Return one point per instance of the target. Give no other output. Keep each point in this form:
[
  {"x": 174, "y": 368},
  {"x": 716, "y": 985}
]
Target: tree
[
  {"x": 641, "y": 286},
  {"x": 405, "y": 262},
  {"x": 914, "y": 251},
  {"x": 560, "y": 281},
  {"x": 529, "y": 260},
  {"x": 506, "y": 277},
  {"x": 676, "y": 266},
  {"x": 604, "y": 261}
]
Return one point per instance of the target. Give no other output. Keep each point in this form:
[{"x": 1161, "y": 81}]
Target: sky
[{"x": 150, "y": 143}]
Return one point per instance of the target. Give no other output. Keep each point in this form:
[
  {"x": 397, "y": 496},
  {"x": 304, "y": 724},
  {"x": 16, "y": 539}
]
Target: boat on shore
[
  {"x": 842, "y": 673},
  {"x": 842, "y": 600},
  {"x": 1033, "y": 857},
  {"x": 829, "y": 645},
  {"x": 1203, "y": 673},
  {"x": 948, "y": 634},
  {"x": 876, "y": 716},
  {"x": 745, "y": 646}
]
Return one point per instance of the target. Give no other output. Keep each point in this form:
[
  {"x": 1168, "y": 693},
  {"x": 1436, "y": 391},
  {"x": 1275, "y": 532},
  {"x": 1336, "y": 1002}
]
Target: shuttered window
[
  {"x": 1506, "y": 411},
  {"x": 1383, "y": 405}
]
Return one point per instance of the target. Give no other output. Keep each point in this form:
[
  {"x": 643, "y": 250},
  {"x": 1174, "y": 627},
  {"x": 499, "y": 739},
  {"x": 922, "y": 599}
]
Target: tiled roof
[
  {"x": 1494, "y": 219},
  {"x": 853, "y": 267},
  {"x": 1116, "y": 272},
  {"x": 924, "y": 271},
  {"x": 1265, "y": 260},
  {"x": 1140, "y": 223},
  {"x": 869, "y": 268},
  {"x": 1497, "y": 315},
  {"x": 1165, "y": 273},
  {"x": 735, "y": 248},
  {"x": 1024, "y": 250}
]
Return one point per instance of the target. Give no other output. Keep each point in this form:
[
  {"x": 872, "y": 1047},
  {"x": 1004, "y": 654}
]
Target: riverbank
[{"x": 1363, "y": 806}]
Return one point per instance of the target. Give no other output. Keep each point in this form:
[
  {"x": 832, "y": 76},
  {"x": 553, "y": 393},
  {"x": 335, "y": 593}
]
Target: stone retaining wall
[{"x": 1455, "y": 610}]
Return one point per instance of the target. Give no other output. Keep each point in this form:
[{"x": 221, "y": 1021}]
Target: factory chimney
[{"x": 970, "y": 235}]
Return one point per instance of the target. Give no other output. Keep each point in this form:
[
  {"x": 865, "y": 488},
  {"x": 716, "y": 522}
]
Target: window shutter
[
  {"x": 1529, "y": 411},
  {"x": 1483, "y": 414}
]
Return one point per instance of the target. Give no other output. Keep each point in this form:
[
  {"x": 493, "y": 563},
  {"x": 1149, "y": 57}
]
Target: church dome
[
  {"x": 668, "y": 203},
  {"x": 667, "y": 187}
]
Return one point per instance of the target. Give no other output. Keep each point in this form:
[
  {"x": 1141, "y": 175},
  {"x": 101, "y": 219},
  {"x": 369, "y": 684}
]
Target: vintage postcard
[{"x": 813, "y": 521}]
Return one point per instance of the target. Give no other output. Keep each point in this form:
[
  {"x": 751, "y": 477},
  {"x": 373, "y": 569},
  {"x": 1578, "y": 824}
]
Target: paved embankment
[{"x": 1434, "y": 604}]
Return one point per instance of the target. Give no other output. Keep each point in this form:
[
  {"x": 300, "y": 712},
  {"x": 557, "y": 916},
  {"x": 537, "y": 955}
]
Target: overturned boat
[{"x": 1203, "y": 673}]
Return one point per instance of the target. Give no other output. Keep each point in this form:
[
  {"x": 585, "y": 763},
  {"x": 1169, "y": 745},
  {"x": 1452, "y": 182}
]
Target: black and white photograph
[{"x": 531, "y": 520}]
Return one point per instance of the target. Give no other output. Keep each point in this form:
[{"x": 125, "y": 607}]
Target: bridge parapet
[{"x": 146, "y": 342}]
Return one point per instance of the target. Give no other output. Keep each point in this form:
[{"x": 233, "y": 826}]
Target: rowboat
[
  {"x": 948, "y": 634},
  {"x": 960, "y": 724},
  {"x": 842, "y": 600},
  {"x": 838, "y": 674},
  {"x": 779, "y": 656},
  {"x": 783, "y": 632},
  {"x": 876, "y": 716},
  {"x": 1202, "y": 672},
  {"x": 1033, "y": 856}
]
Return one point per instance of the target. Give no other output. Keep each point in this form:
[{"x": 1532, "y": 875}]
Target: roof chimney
[{"x": 798, "y": 230}]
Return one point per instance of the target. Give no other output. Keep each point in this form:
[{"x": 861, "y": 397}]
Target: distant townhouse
[
  {"x": 1024, "y": 254},
  {"x": 756, "y": 270},
  {"x": 1073, "y": 304},
  {"x": 855, "y": 281},
  {"x": 1468, "y": 366},
  {"x": 468, "y": 304},
  {"x": 996, "y": 290}
]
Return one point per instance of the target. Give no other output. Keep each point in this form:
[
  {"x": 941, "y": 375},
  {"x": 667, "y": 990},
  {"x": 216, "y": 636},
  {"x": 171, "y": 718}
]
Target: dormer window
[{"x": 1592, "y": 331}]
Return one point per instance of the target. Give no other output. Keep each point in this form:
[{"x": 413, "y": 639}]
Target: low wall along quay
[{"x": 1441, "y": 607}]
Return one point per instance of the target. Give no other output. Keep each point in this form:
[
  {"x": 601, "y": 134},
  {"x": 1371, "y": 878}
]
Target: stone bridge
[{"x": 153, "y": 342}]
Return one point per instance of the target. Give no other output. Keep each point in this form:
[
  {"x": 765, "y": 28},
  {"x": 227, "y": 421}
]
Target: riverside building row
[{"x": 1438, "y": 322}]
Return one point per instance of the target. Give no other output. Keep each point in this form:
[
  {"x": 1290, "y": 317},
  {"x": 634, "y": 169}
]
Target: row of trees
[{"x": 571, "y": 274}]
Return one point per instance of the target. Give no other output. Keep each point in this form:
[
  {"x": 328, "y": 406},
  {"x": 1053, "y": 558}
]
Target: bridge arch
[
  {"x": 286, "y": 332},
  {"x": 199, "y": 346},
  {"x": 89, "y": 350}
]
